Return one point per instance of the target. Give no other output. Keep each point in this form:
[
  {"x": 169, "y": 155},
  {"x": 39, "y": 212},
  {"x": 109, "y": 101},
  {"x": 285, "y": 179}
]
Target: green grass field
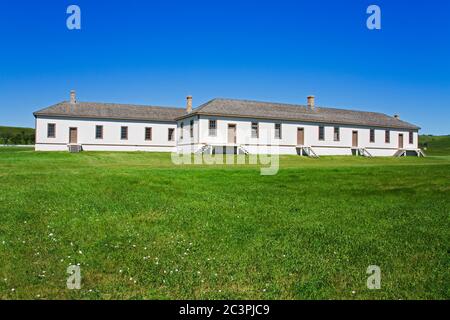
[
  {"x": 435, "y": 145},
  {"x": 142, "y": 228}
]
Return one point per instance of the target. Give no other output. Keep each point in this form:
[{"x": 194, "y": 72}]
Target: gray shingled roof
[
  {"x": 226, "y": 107},
  {"x": 111, "y": 111},
  {"x": 279, "y": 111}
]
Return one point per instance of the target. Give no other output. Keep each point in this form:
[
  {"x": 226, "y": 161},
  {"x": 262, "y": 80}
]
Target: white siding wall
[
  {"x": 288, "y": 141},
  {"x": 188, "y": 144},
  {"x": 265, "y": 143},
  {"x": 111, "y": 135}
]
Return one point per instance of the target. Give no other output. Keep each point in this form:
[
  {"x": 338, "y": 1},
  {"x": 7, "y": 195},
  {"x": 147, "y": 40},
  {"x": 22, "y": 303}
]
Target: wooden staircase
[
  {"x": 306, "y": 151},
  {"x": 204, "y": 149},
  {"x": 405, "y": 153},
  {"x": 364, "y": 152},
  {"x": 74, "y": 148},
  {"x": 242, "y": 150}
]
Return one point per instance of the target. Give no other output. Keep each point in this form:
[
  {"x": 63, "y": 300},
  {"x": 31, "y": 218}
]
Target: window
[
  {"x": 277, "y": 130},
  {"x": 148, "y": 134},
  {"x": 337, "y": 134},
  {"x": 124, "y": 133},
  {"x": 321, "y": 133},
  {"x": 255, "y": 130},
  {"x": 191, "y": 128},
  {"x": 387, "y": 136},
  {"x": 170, "y": 135},
  {"x": 51, "y": 130},
  {"x": 372, "y": 135},
  {"x": 181, "y": 130},
  {"x": 212, "y": 127},
  {"x": 98, "y": 132},
  {"x": 411, "y": 137}
]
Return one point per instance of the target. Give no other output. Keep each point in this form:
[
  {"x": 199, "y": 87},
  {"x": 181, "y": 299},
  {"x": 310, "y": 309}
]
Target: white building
[{"x": 224, "y": 125}]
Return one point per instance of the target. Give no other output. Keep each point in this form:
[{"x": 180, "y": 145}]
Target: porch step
[
  {"x": 242, "y": 150},
  {"x": 364, "y": 152},
  {"x": 400, "y": 153},
  {"x": 204, "y": 149},
  {"x": 411, "y": 152},
  {"x": 307, "y": 151},
  {"x": 74, "y": 148}
]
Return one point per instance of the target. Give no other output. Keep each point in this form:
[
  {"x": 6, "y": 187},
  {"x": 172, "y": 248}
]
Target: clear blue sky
[{"x": 157, "y": 52}]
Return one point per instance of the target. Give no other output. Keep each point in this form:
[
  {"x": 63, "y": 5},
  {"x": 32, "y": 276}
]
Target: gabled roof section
[
  {"x": 111, "y": 111},
  {"x": 291, "y": 112}
]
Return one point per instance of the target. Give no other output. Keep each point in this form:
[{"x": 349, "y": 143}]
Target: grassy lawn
[{"x": 143, "y": 228}]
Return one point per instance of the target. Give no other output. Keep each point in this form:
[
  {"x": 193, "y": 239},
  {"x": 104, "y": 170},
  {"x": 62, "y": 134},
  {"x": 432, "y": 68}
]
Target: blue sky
[{"x": 157, "y": 52}]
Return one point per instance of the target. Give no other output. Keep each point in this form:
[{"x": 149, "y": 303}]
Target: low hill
[
  {"x": 435, "y": 145},
  {"x": 16, "y": 135}
]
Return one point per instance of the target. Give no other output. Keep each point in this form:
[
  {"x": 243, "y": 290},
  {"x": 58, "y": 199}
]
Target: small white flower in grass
[
  {"x": 220, "y": 290},
  {"x": 13, "y": 289},
  {"x": 80, "y": 252},
  {"x": 264, "y": 290},
  {"x": 50, "y": 234},
  {"x": 120, "y": 271},
  {"x": 353, "y": 292}
]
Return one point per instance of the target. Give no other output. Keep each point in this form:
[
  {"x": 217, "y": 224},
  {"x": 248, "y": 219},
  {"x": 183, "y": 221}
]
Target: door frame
[
  {"x": 303, "y": 136},
  {"x": 355, "y": 145},
  {"x": 403, "y": 141},
  {"x": 76, "y": 135},
  {"x": 232, "y": 125}
]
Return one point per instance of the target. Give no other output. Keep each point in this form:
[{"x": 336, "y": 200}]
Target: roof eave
[{"x": 37, "y": 114}]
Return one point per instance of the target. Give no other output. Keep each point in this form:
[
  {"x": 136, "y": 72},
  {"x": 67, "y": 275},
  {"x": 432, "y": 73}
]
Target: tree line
[{"x": 16, "y": 136}]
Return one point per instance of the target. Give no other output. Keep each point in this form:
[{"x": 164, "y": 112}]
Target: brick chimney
[
  {"x": 73, "y": 97},
  {"x": 311, "y": 102},
  {"x": 396, "y": 116},
  {"x": 189, "y": 104}
]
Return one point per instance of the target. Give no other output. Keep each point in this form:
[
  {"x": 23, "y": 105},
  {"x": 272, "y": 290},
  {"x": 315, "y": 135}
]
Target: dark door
[
  {"x": 73, "y": 135},
  {"x": 355, "y": 139},
  {"x": 232, "y": 133},
  {"x": 300, "y": 136},
  {"x": 400, "y": 141}
]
